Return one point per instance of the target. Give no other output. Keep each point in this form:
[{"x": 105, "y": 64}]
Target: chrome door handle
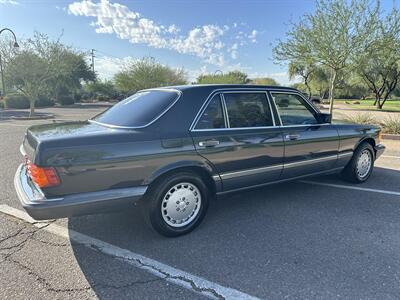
[
  {"x": 209, "y": 143},
  {"x": 292, "y": 137}
]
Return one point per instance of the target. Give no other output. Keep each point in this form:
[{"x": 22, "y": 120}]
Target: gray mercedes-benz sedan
[{"x": 174, "y": 149}]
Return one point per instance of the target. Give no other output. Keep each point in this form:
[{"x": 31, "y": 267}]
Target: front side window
[
  {"x": 139, "y": 109},
  {"x": 293, "y": 110},
  {"x": 213, "y": 116},
  {"x": 248, "y": 110}
]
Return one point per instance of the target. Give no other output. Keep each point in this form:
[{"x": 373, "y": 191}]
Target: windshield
[{"x": 139, "y": 109}]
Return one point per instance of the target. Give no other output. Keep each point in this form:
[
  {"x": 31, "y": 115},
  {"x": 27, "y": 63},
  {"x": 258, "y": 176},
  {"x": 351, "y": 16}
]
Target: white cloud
[
  {"x": 253, "y": 36},
  {"x": 207, "y": 42},
  {"x": 173, "y": 29},
  {"x": 203, "y": 41},
  {"x": 12, "y": 2},
  {"x": 233, "y": 51},
  {"x": 107, "y": 67}
]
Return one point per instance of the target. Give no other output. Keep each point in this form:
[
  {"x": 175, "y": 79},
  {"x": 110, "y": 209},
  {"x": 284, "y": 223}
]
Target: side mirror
[{"x": 325, "y": 118}]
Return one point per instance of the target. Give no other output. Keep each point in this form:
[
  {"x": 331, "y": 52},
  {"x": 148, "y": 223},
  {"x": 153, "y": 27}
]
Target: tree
[
  {"x": 379, "y": 67},
  {"x": 232, "y": 77},
  {"x": 7, "y": 52},
  {"x": 42, "y": 66},
  {"x": 351, "y": 87},
  {"x": 147, "y": 73},
  {"x": 320, "y": 82},
  {"x": 304, "y": 71},
  {"x": 331, "y": 36},
  {"x": 264, "y": 81},
  {"x": 73, "y": 69}
]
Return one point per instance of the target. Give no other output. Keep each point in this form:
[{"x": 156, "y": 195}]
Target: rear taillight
[{"x": 43, "y": 177}]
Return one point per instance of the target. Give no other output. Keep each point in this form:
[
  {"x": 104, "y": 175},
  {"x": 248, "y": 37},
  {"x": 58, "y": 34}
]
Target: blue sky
[{"x": 200, "y": 36}]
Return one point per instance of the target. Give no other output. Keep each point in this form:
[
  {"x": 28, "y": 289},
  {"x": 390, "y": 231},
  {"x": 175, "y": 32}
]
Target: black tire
[
  {"x": 159, "y": 190},
  {"x": 350, "y": 172}
]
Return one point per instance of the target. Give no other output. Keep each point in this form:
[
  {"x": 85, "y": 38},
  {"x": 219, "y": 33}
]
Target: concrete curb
[
  {"x": 391, "y": 137},
  {"x": 32, "y": 118}
]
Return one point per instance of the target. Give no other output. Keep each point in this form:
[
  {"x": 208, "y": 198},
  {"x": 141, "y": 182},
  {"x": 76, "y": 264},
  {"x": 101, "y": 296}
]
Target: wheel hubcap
[
  {"x": 181, "y": 204},
  {"x": 364, "y": 164}
]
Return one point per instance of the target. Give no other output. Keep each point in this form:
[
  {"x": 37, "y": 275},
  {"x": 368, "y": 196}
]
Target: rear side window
[
  {"x": 248, "y": 110},
  {"x": 212, "y": 116},
  {"x": 139, "y": 109}
]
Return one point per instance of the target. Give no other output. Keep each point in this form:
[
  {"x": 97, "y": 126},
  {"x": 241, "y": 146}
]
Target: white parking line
[
  {"x": 181, "y": 278},
  {"x": 351, "y": 187}
]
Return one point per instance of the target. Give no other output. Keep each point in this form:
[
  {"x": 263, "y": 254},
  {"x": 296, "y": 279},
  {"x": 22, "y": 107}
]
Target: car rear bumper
[
  {"x": 41, "y": 208},
  {"x": 379, "y": 149}
]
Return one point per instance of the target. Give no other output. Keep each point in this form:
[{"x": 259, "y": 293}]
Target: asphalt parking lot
[{"x": 316, "y": 238}]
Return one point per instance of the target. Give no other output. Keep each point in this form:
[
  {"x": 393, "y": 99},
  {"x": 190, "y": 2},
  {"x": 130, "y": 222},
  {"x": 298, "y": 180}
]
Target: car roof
[{"x": 226, "y": 86}]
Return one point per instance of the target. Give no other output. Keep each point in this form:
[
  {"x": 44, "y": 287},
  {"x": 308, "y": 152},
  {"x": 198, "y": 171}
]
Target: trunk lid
[{"x": 59, "y": 144}]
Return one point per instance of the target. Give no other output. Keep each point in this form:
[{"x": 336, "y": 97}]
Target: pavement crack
[
  {"x": 19, "y": 246},
  {"x": 166, "y": 275},
  {"x": 193, "y": 285},
  {"x": 197, "y": 288},
  {"x": 163, "y": 275},
  {"x": 12, "y": 235},
  {"x": 50, "y": 243},
  {"x": 43, "y": 280},
  {"x": 50, "y": 288},
  {"x": 133, "y": 283}
]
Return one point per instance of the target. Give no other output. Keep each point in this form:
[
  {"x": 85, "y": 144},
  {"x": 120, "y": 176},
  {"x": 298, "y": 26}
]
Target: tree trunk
[
  {"x": 309, "y": 91},
  {"x": 32, "y": 108},
  {"x": 308, "y": 88},
  {"x": 377, "y": 99},
  {"x": 331, "y": 88},
  {"x": 379, "y": 104}
]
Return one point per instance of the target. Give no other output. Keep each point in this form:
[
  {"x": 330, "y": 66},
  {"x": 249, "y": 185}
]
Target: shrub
[
  {"x": 362, "y": 119},
  {"x": 66, "y": 100},
  {"x": 102, "y": 98},
  {"x": 44, "y": 101},
  {"x": 16, "y": 101},
  {"x": 391, "y": 125}
]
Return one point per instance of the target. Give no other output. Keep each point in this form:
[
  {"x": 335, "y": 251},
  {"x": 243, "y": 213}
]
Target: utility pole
[{"x": 92, "y": 54}]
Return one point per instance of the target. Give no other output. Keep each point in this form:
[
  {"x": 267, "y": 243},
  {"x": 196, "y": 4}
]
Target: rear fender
[{"x": 188, "y": 164}]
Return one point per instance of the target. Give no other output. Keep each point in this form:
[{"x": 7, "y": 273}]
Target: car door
[
  {"x": 310, "y": 147},
  {"x": 236, "y": 132}
]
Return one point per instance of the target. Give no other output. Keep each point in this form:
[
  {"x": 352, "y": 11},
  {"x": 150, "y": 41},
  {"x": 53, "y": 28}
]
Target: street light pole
[
  {"x": 2, "y": 78},
  {"x": 1, "y": 62}
]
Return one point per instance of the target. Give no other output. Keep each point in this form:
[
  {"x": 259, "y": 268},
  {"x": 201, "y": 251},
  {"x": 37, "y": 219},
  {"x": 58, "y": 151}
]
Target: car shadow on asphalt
[{"x": 269, "y": 240}]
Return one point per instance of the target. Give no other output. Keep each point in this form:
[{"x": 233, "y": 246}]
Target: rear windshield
[{"x": 139, "y": 109}]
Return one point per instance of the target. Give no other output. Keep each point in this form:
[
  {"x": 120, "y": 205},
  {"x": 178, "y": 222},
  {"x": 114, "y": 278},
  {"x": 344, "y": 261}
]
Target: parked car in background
[
  {"x": 174, "y": 149},
  {"x": 315, "y": 99}
]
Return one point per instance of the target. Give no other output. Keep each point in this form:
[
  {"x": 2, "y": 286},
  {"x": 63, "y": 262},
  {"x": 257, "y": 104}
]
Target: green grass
[{"x": 391, "y": 105}]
